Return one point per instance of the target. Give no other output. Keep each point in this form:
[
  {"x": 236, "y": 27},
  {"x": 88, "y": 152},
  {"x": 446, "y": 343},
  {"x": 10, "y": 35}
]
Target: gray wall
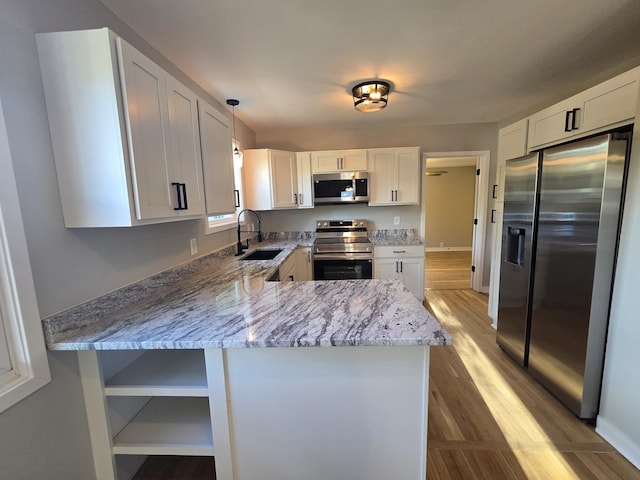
[
  {"x": 46, "y": 435},
  {"x": 430, "y": 138}
]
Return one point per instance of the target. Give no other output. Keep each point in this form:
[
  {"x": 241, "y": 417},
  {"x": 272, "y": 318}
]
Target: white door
[
  {"x": 381, "y": 190},
  {"x": 186, "y": 165},
  {"x": 325, "y": 161},
  {"x": 412, "y": 275},
  {"x": 284, "y": 179},
  {"x": 217, "y": 160},
  {"x": 407, "y": 175},
  {"x": 144, "y": 93},
  {"x": 305, "y": 188},
  {"x": 385, "y": 268}
]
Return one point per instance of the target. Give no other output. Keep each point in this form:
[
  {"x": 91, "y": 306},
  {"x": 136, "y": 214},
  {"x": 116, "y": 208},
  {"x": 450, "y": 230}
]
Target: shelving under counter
[{"x": 178, "y": 365}]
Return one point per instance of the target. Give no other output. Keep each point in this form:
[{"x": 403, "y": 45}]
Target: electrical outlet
[
  {"x": 194, "y": 246},
  {"x": 396, "y": 220}
]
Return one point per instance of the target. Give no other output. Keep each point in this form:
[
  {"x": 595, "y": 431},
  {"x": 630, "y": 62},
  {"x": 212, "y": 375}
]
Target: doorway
[{"x": 454, "y": 216}]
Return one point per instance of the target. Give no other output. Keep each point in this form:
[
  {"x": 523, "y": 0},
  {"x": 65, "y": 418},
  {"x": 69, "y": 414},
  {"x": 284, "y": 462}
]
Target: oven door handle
[{"x": 354, "y": 256}]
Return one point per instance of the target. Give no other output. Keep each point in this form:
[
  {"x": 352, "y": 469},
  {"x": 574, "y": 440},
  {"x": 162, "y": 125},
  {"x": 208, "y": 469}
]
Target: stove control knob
[
  {"x": 361, "y": 223},
  {"x": 319, "y": 224},
  {"x": 326, "y": 224}
]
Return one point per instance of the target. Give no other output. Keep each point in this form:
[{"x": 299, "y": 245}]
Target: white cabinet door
[
  {"x": 607, "y": 105},
  {"x": 353, "y": 160},
  {"x": 395, "y": 176},
  {"x": 407, "y": 176},
  {"x": 284, "y": 179},
  {"x": 385, "y": 268},
  {"x": 217, "y": 160},
  {"x": 186, "y": 164},
  {"x": 304, "y": 264},
  {"x": 338, "y": 160},
  {"x": 305, "y": 187},
  {"x": 144, "y": 94},
  {"x": 512, "y": 143},
  {"x": 382, "y": 176},
  {"x": 412, "y": 275}
]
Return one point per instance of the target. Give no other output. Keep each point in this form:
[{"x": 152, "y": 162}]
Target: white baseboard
[
  {"x": 448, "y": 249},
  {"x": 619, "y": 440}
]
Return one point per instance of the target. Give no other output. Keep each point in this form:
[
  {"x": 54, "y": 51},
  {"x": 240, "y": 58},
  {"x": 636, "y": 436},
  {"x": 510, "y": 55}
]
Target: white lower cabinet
[
  {"x": 155, "y": 402},
  {"x": 304, "y": 264},
  {"x": 404, "y": 263}
]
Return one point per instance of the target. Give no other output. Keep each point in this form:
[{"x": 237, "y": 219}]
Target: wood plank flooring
[
  {"x": 448, "y": 270},
  {"x": 488, "y": 419}
]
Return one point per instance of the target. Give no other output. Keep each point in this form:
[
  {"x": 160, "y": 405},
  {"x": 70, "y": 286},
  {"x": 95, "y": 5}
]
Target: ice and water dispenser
[{"x": 515, "y": 246}]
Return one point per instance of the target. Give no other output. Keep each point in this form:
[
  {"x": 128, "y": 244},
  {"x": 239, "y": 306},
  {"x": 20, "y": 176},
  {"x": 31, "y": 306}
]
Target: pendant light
[{"x": 237, "y": 154}]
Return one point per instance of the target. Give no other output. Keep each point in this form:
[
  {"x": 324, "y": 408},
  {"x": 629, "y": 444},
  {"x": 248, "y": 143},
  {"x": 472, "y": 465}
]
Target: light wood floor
[
  {"x": 448, "y": 270},
  {"x": 488, "y": 419}
]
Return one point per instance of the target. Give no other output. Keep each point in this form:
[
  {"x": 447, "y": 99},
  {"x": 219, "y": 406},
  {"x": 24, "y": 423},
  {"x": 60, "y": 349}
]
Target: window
[
  {"x": 216, "y": 223},
  {"x": 23, "y": 358}
]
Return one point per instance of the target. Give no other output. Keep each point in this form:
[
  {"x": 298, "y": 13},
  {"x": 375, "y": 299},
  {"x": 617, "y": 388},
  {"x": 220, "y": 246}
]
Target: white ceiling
[{"x": 293, "y": 62}]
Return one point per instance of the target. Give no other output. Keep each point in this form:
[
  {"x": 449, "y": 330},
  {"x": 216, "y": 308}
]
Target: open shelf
[
  {"x": 162, "y": 373},
  {"x": 168, "y": 426}
]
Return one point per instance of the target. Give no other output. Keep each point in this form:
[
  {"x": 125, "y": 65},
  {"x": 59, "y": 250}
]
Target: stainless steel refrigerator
[{"x": 562, "y": 209}]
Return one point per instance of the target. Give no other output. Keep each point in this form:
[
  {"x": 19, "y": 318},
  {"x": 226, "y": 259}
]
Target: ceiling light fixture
[
  {"x": 237, "y": 154},
  {"x": 436, "y": 173},
  {"x": 371, "y": 96}
]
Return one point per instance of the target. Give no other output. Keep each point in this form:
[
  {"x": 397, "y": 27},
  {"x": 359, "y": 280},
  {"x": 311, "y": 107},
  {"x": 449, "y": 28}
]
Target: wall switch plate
[
  {"x": 194, "y": 246},
  {"x": 396, "y": 220}
]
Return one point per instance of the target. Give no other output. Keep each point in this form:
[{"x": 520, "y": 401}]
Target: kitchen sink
[{"x": 263, "y": 254}]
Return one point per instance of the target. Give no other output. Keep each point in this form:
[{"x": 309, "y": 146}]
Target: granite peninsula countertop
[{"x": 219, "y": 301}]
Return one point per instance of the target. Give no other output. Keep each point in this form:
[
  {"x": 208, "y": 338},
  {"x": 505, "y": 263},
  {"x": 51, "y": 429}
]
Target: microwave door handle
[{"x": 353, "y": 188}]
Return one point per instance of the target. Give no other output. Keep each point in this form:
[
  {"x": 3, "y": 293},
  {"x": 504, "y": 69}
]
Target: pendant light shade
[
  {"x": 371, "y": 96},
  {"x": 237, "y": 154}
]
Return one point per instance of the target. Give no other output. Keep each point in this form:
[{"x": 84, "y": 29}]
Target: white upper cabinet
[
  {"x": 271, "y": 179},
  {"x": 394, "y": 176},
  {"x": 186, "y": 165},
  {"x": 512, "y": 143},
  {"x": 217, "y": 160},
  {"x": 123, "y": 132},
  {"x": 338, "y": 160},
  {"x": 607, "y": 105},
  {"x": 305, "y": 187}
]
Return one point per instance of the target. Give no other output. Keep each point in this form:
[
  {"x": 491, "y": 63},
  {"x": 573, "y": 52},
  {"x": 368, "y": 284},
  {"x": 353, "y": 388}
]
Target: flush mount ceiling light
[
  {"x": 371, "y": 96},
  {"x": 237, "y": 154}
]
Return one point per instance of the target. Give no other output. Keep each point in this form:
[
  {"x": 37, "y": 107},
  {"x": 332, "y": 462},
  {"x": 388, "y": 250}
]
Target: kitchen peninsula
[{"x": 176, "y": 365}]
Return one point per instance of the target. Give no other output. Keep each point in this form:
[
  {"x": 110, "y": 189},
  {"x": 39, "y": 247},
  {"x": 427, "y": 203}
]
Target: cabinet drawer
[{"x": 388, "y": 251}]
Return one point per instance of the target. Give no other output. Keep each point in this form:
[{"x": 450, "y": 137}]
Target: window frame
[{"x": 18, "y": 304}]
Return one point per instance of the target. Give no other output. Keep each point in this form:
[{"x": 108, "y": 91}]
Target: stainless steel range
[{"x": 342, "y": 250}]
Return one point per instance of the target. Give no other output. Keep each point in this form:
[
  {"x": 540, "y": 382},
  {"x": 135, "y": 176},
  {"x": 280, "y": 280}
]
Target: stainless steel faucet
[{"x": 241, "y": 247}]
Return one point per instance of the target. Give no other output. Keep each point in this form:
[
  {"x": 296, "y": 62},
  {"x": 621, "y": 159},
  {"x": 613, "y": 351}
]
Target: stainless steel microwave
[{"x": 341, "y": 187}]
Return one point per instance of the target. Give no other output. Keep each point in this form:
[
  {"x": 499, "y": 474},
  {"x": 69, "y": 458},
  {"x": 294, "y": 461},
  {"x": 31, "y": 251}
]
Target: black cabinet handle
[
  {"x": 400, "y": 267},
  {"x": 181, "y": 196},
  {"x": 494, "y": 194},
  {"x": 237, "y": 195},
  {"x": 493, "y": 220},
  {"x": 185, "y": 204},
  {"x": 567, "y": 120},
  {"x": 574, "y": 118}
]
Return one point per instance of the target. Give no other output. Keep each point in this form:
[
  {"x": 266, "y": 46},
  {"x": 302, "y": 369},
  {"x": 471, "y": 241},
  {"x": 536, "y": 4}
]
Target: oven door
[{"x": 341, "y": 267}]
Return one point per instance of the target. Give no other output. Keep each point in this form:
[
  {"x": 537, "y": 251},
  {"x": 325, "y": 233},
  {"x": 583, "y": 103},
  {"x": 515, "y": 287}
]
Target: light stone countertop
[
  {"x": 395, "y": 237},
  {"x": 219, "y": 301}
]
